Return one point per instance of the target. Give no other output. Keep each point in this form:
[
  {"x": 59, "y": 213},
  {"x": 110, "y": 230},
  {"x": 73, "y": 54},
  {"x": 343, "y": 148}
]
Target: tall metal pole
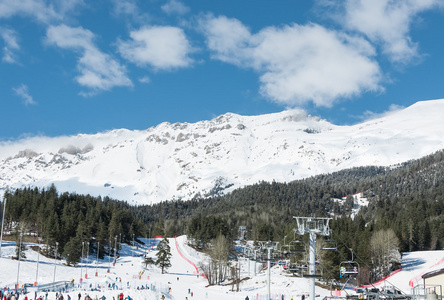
[
  {"x": 150, "y": 241},
  {"x": 269, "y": 273},
  {"x": 87, "y": 261},
  {"x": 37, "y": 271},
  {"x": 109, "y": 255},
  {"x": 3, "y": 221},
  {"x": 133, "y": 245},
  {"x": 255, "y": 260},
  {"x": 97, "y": 261},
  {"x": 81, "y": 266},
  {"x": 115, "y": 249},
  {"x": 249, "y": 264},
  {"x": 312, "y": 270},
  {"x": 55, "y": 261},
  {"x": 312, "y": 226},
  {"x": 19, "y": 258}
]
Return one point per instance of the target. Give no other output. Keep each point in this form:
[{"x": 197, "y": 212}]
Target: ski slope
[
  {"x": 129, "y": 275},
  {"x": 414, "y": 265}
]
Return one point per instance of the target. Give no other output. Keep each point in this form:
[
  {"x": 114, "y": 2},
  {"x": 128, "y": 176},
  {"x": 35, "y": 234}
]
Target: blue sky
[{"x": 77, "y": 66}]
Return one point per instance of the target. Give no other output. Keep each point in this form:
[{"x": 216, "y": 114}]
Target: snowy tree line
[{"x": 73, "y": 221}]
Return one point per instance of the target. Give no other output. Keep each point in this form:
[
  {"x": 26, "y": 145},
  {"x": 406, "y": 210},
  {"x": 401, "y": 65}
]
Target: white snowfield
[
  {"x": 128, "y": 275},
  {"x": 182, "y": 160}
]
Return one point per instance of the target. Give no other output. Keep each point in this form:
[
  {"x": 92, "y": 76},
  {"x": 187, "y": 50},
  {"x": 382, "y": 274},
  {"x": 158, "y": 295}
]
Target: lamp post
[{"x": 55, "y": 260}]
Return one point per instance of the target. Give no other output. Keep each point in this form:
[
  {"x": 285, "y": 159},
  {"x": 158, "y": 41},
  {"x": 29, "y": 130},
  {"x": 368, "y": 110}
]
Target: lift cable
[{"x": 364, "y": 264}]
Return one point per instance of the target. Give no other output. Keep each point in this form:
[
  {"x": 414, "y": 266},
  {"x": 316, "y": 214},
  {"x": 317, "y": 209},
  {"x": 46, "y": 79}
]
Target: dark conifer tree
[{"x": 163, "y": 255}]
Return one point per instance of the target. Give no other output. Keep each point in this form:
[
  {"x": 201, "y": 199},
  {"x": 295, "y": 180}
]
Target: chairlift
[
  {"x": 285, "y": 249},
  {"x": 330, "y": 245},
  {"x": 297, "y": 247},
  {"x": 348, "y": 268},
  {"x": 293, "y": 268},
  {"x": 296, "y": 268}
]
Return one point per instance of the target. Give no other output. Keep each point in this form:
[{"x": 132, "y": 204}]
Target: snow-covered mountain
[{"x": 180, "y": 161}]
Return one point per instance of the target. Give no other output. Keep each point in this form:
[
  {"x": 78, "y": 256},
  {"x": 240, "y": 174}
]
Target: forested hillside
[
  {"x": 69, "y": 220},
  {"x": 407, "y": 199}
]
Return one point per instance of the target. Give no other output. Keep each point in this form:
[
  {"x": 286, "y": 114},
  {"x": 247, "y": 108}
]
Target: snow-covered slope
[
  {"x": 181, "y": 276},
  {"x": 180, "y": 161}
]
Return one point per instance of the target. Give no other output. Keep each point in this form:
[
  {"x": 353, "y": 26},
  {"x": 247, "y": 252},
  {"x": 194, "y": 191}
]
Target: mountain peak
[{"x": 186, "y": 160}]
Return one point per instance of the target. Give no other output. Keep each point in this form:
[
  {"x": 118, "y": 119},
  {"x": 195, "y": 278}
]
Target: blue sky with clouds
[{"x": 78, "y": 66}]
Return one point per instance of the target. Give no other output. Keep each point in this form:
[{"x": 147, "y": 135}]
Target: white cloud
[
  {"x": 36, "y": 8},
  {"x": 98, "y": 71},
  {"x": 144, "y": 79},
  {"x": 22, "y": 92},
  {"x": 297, "y": 64},
  {"x": 175, "y": 7},
  {"x": 129, "y": 8},
  {"x": 162, "y": 47},
  {"x": 10, "y": 39},
  {"x": 387, "y": 22},
  {"x": 44, "y": 11},
  {"x": 125, "y": 7}
]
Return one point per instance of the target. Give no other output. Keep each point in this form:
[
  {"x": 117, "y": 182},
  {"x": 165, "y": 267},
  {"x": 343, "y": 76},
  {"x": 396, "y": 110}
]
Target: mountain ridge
[{"x": 187, "y": 160}]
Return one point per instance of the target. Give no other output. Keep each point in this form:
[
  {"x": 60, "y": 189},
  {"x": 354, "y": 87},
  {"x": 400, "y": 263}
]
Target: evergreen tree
[
  {"x": 159, "y": 228},
  {"x": 163, "y": 254},
  {"x": 72, "y": 251},
  {"x": 101, "y": 238},
  {"x": 148, "y": 261}
]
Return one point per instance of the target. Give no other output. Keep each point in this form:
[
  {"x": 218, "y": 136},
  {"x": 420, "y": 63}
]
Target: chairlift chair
[
  {"x": 297, "y": 247},
  {"x": 330, "y": 245},
  {"x": 348, "y": 268}
]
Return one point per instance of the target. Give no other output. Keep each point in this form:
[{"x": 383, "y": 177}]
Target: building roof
[{"x": 433, "y": 273}]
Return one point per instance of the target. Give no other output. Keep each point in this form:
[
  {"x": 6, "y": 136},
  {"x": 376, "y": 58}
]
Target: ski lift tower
[
  {"x": 269, "y": 246},
  {"x": 312, "y": 226}
]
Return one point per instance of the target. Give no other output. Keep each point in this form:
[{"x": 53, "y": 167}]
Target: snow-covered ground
[{"x": 128, "y": 275}]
